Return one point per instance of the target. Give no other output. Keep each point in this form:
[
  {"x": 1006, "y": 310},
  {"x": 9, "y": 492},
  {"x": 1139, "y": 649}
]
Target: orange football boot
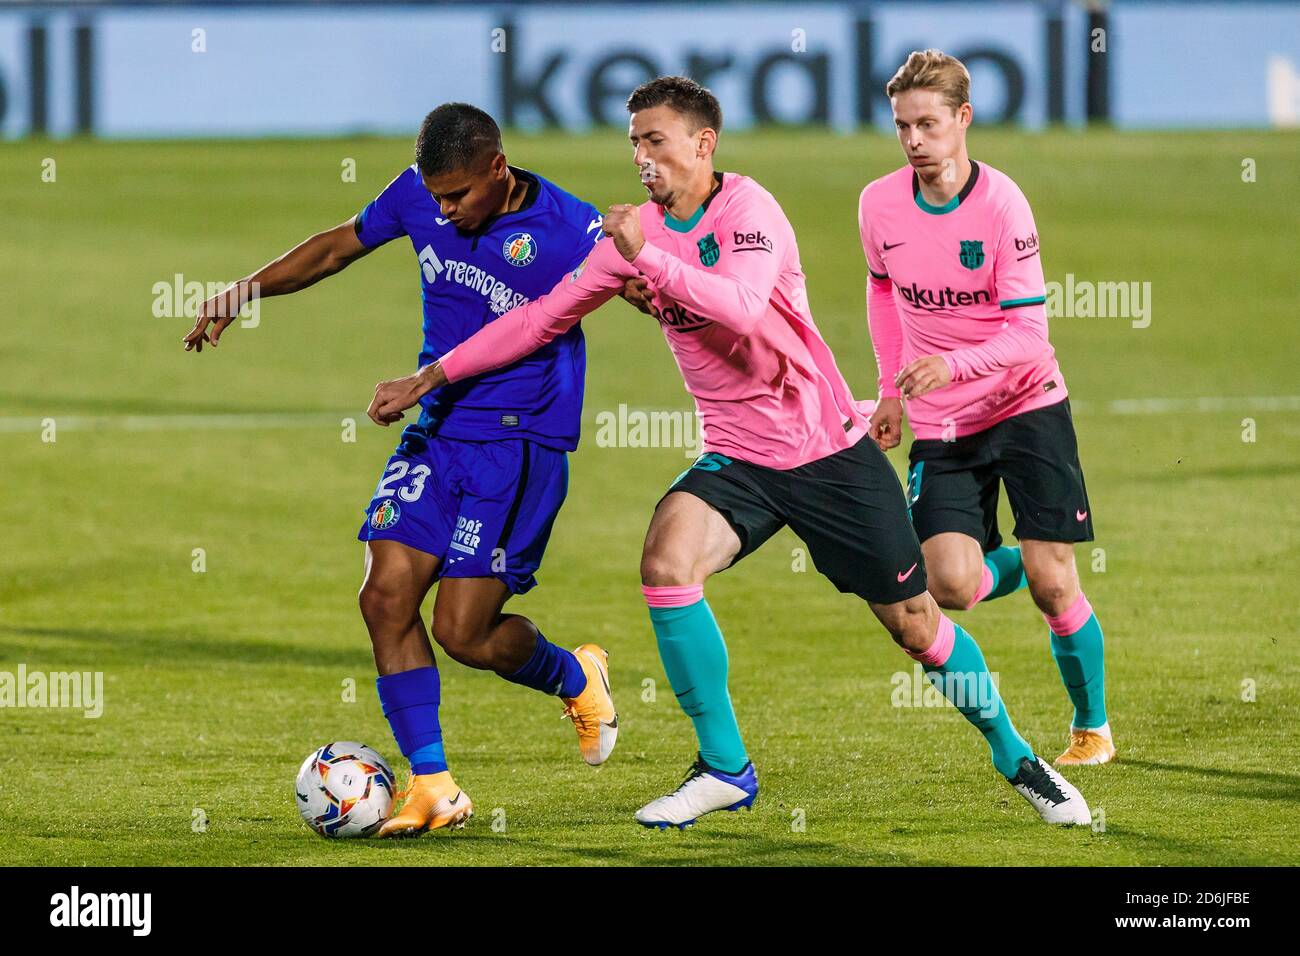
[
  {"x": 432, "y": 801},
  {"x": 1087, "y": 747},
  {"x": 592, "y": 711}
]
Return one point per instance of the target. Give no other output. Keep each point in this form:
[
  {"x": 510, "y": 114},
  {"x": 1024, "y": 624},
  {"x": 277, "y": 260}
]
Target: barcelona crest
[
  {"x": 709, "y": 250},
  {"x": 972, "y": 253}
]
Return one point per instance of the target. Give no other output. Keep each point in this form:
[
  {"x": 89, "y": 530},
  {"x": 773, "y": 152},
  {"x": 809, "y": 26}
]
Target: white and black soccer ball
[{"x": 345, "y": 789}]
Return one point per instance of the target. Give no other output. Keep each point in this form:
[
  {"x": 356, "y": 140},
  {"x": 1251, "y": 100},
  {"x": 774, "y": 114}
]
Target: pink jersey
[
  {"x": 730, "y": 296},
  {"x": 963, "y": 281}
]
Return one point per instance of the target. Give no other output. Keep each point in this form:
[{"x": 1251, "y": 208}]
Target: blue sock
[
  {"x": 410, "y": 702},
  {"x": 552, "y": 670},
  {"x": 1008, "y": 571},
  {"x": 965, "y": 680}
]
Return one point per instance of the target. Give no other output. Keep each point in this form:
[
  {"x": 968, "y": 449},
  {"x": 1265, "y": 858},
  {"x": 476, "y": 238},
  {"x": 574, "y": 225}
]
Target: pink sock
[
  {"x": 675, "y": 596},
  {"x": 937, "y": 654},
  {"x": 1063, "y": 625},
  {"x": 986, "y": 585}
]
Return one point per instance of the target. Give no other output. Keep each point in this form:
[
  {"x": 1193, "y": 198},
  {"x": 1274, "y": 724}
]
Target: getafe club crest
[
  {"x": 972, "y": 253},
  {"x": 709, "y": 250},
  {"x": 385, "y": 516},
  {"x": 520, "y": 248}
]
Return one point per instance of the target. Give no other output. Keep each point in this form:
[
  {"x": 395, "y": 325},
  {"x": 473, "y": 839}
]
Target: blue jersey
[{"x": 468, "y": 279}]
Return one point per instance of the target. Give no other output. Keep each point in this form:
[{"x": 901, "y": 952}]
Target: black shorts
[
  {"x": 847, "y": 507},
  {"x": 953, "y": 486}
]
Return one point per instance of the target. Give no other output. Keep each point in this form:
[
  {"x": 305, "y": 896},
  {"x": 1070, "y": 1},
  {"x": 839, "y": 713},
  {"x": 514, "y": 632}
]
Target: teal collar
[
  {"x": 952, "y": 203},
  {"x": 686, "y": 225},
  {"x": 924, "y": 206}
]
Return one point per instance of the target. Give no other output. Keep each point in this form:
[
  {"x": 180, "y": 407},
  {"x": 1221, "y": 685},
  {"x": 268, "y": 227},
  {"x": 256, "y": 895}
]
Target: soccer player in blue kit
[{"x": 470, "y": 495}]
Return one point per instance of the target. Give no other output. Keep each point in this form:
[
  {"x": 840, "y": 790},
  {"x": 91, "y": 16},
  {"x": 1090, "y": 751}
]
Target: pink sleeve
[
  {"x": 886, "y": 334},
  {"x": 525, "y": 329},
  {"x": 751, "y": 238},
  {"x": 1017, "y": 266},
  {"x": 1022, "y": 339},
  {"x": 1021, "y": 291},
  {"x": 882, "y": 312},
  {"x": 875, "y": 262}
]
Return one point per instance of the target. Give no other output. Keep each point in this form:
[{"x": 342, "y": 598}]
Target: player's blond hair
[{"x": 932, "y": 70}]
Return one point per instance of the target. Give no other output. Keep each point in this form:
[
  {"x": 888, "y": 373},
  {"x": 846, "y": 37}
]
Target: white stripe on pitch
[
  {"x": 165, "y": 423},
  {"x": 1170, "y": 406},
  {"x": 257, "y": 420}
]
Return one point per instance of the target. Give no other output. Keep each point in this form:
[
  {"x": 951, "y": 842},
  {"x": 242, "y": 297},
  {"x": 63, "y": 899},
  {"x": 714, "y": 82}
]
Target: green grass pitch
[{"x": 217, "y": 684}]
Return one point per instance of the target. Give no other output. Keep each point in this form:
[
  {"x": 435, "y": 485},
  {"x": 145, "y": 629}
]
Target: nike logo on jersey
[
  {"x": 595, "y": 223},
  {"x": 1080, "y": 515},
  {"x": 886, "y": 246},
  {"x": 440, "y": 221},
  {"x": 904, "y": 575}
]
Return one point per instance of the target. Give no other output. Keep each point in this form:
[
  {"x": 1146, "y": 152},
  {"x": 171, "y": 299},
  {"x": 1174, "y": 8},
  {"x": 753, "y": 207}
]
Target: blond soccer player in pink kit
[
  {"x": 784, "y": 441},
  {"x": 959, "y": 326}
]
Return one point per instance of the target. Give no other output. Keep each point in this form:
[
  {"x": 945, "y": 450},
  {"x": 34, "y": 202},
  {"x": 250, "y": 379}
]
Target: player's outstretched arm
[
  {"x": 516, "y": 334},
  {"x": 305, "y": 264}
]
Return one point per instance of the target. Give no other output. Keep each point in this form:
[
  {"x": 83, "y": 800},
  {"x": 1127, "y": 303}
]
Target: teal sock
[
  {"x": 1081, "y": 660},
  {"x": 695, "y": 659},
  {"x": 965, "y": 680},
  {"x": 1008, "y": 571}
]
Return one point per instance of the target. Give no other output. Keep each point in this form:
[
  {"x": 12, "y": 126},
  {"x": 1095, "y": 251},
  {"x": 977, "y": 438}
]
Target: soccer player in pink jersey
[
  {"x": 959, "y": 327},
  {"x": 784, "y": 441}
]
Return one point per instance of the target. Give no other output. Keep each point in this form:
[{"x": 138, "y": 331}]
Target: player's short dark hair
[
  {"x": 682, "y": 95},
  {"x": 455, "y": 136}
]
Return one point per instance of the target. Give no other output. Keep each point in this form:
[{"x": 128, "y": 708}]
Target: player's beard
[
  {"x": 655, "y": 190},
  {"x": 658, "y": 195}
]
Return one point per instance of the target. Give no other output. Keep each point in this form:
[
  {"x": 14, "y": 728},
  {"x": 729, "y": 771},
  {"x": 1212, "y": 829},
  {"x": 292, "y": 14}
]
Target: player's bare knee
[
  {"x": 661, "y": 570},
  {"x": 911, "y": 623},
  {"x": 1053, "y": 591},
  {"x": 384, "y": 604},
  {"x": 463, "y": 641},
  {"x": 954, "y": 592}
]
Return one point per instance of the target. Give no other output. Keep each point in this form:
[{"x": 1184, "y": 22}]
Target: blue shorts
[{"x": 484, "y": 509}]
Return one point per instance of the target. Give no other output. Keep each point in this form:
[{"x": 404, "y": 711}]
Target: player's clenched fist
[
  {"x": 923, "y": 375},
  {"x": 398, "y": 394},
  {"x": 637, "y": 293},
  {"x": 885, "y": 425},
  {"x": 623, "y": 225}
]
